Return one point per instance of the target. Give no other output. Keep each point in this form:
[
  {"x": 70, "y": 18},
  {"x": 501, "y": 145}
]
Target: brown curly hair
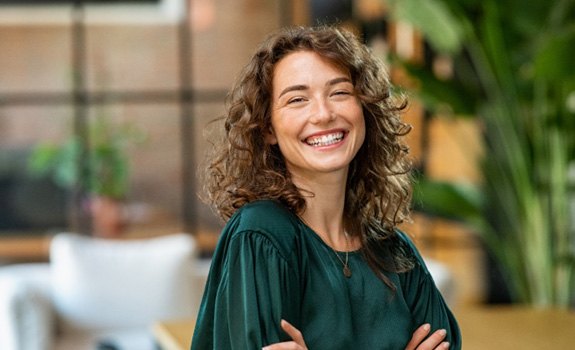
[{"x": 245, "y": 168}]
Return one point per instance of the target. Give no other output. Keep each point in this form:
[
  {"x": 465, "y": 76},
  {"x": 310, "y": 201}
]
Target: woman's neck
[{"x": 324, "y": 211}]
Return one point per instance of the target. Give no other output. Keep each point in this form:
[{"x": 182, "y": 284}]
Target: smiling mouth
[{"x": 325, "y": 140}]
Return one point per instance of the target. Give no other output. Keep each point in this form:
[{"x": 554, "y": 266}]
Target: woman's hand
[
  {"x": 417, "y": 342},
  {"x": 434, "y": 342},
  {"x": 296, "y": 343}
]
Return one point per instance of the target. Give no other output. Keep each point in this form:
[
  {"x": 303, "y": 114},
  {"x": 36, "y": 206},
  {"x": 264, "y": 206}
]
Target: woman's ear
[{"x": 270, "y": 136}]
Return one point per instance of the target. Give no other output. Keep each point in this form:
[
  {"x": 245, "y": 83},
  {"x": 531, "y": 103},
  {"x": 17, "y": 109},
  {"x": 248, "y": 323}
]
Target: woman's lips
[{"x": 325, "y": 139}]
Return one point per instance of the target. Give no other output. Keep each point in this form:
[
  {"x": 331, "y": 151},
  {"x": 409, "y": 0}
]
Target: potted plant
[
  {"x": 106, "y": 179},
  {"x": 513, "y": 70}
]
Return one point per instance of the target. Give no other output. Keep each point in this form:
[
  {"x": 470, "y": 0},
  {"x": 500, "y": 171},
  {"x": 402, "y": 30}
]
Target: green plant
[
  {"x": 512, "y": 69},
  {"x": 108, "y": 163}
]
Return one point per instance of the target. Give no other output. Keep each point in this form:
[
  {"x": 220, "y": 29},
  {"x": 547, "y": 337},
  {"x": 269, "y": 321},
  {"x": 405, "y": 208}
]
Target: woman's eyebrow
[
  {"x": 293, "y": 88},
  {"x": 300, "y": 87},
  {"x": 338, "y": 80}
]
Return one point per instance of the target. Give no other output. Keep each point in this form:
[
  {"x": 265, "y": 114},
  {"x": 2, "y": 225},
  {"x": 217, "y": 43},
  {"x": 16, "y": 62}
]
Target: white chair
[
  {"x": 97, "y": 290},
  {"x": 443, "y": 279}
]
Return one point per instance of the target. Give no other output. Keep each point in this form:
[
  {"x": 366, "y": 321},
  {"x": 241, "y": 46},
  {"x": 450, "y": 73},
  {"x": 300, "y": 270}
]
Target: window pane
[
  {"x": 134, "y": 57},
  {"x": 153, "y": 150},
  {"x": 227, "y": 36},
  {"x": 35, "y": 59},
  {"x": 30, "y": 203}
]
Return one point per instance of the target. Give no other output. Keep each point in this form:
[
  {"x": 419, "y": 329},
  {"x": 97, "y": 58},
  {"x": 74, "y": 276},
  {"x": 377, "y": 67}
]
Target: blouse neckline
[{"x": 318, "y": 237}]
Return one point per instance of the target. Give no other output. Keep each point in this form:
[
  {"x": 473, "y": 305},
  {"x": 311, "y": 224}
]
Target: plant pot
[{"x": 107, "y": 217}]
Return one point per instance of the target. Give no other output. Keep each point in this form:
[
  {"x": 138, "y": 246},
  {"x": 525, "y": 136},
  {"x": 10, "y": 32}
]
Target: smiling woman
[
  {"x": 313, "y": 177},
  {"x": 316, "y": 118}
]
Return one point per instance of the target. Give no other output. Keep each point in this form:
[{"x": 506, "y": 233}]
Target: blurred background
[{"x": 105, "y": 108}]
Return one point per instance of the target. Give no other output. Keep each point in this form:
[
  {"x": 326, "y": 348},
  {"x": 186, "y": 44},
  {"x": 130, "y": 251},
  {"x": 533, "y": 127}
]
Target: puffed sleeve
[
  {"x": 252, "y": 286},
  {"x": 425, "y": 301}
]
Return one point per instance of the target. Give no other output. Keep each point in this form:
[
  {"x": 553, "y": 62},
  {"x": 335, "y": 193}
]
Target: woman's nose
[{"x": 322, "y": 112}]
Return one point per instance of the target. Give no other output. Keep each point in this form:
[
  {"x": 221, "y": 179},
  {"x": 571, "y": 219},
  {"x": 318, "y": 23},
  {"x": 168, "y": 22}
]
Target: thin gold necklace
[{"x": 346, "y": 270}]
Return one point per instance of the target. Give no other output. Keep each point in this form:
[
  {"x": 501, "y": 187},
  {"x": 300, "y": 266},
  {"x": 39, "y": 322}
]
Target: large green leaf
[
  {"x": 456, "y": 201},
  {"x": 438, "y": 94},
  {"x": 555, "y": 61},
  {"x": 433, "y": 18},
  {"x": 516, "y": 74}
]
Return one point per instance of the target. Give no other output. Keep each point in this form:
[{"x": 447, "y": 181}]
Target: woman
[{"x": 313, "y": 179}]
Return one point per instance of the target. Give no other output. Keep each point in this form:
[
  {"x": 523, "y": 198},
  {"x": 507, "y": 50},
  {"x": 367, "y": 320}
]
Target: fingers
[
  {"x": 297, "y": 342},
  {"x": 442, "y": 346},
  {"x": 293, "y": 332},
  {"x": 288, "y": 345},
  {"x": 418, "y": 336},
  {"x": 434, "y": 342}
]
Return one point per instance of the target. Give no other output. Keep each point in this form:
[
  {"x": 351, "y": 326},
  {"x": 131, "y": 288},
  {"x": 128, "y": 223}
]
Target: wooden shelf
[
  {"x": 30, "y": 248},
  {"x": 27, "y": 248}
]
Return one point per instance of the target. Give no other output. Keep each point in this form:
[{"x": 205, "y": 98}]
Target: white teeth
[{"x": 325, "y": 140}]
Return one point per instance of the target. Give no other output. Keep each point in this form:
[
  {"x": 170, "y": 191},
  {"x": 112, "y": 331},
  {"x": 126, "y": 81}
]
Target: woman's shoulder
[
  {"x": 267, "y": 220},
  {"x": 266, "y": 215},
  {"x": 406, "y": 243},
  {"x": 404, "y": 246},
  {"x": 404, "y": 240},
  {"x": 407, "y": 247}
]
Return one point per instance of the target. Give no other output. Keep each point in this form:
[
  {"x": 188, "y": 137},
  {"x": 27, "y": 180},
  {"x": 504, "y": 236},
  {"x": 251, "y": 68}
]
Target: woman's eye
[
  {"x": 295, "y": 100},
  {"x": 341, "y": 92}
]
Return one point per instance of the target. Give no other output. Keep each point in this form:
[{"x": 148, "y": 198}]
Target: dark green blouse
[{"x": 269, "y": 265}]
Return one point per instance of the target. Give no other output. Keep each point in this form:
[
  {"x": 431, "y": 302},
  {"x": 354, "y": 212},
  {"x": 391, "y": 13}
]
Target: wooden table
[
  {"x": 515, "y": 327},
  {"x": 174, "y": 335},
  {"x": 482, "y": 328}
]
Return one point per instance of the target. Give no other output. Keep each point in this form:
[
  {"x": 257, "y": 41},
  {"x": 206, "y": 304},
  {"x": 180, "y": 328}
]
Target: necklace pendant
[{"x": 346, "y": 271}]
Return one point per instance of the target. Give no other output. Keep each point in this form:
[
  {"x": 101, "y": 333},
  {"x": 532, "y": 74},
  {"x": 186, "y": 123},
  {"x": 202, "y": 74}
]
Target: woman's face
[{"x": 317, "y": 119}]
